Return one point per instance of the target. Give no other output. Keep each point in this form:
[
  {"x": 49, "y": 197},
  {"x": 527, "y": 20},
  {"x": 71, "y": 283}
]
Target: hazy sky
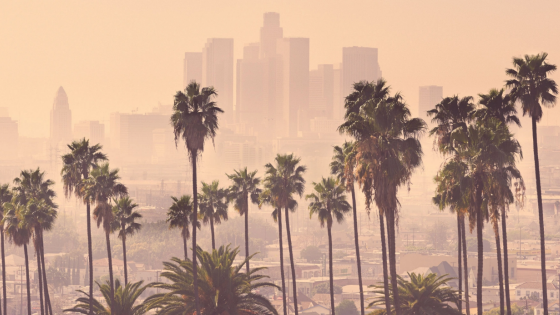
[{"x": 121, "y": 55}]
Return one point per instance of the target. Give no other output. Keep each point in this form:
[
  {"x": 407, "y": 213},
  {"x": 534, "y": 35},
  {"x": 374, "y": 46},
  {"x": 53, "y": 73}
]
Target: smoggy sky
[{"x": 122, "y": 55}]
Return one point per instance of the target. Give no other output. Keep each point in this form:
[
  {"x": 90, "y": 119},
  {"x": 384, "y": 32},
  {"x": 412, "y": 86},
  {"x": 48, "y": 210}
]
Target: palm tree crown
[
  {"x": 125, "y": 217},
  {"x": 245, "y": 185},
  {"x": 78, "y": 164},
  {"x": 328, "y": 201},
  {"x": 213, "y": 203}
]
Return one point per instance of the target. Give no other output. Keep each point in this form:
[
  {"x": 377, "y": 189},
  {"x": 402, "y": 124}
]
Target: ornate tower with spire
[{"x": 61, "y": 118}]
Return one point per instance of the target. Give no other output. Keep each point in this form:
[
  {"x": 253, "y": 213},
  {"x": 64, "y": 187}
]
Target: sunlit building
[
  {"x": 90, "y": 129},
  {"x": 192, "y": 68},
  {"x": 61, "y": 118},
  {"x": 217, "y": 71},
  {"x": 358, "y": 64},
  {"x": 321, "y": 92}
]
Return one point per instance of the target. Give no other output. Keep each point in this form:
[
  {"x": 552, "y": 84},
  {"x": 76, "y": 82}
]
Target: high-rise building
[
  {"x": 338, "y": 100},
  {"x": 10, "y": 136},
  {"x": 90, "y": 129},
  {"x": 321, "y": 92},
  {"x": 293, "y": 83},
  {"x": 429, "y": 96},
  {"x": 249, "y": 107},
  {"x": 192, "y": 69},
  {"x": 358, "y": 64},
  {"x": 270, "y": 33},
  {"x": 217, "y": 71},
  {"x": 61, "y": 118}
]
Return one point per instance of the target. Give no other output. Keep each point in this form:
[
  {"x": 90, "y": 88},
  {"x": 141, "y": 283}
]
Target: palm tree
[
  {"x": 5, "y": 196},
  {"x": 532, "y": 87},
  {"x": 100, "y": 188},
  {"x": 19, "y": 235},
  {"x": 329, "y": 204},
  {"x": 76, "y": 167},
  {"x": 125, "y": 300},
  {"x": 342, "y": 165},
  {"x": 224, "y": 289},
  {"x": 388, "y": 150},
  {"x": 195, "y": 120},
  {"x": 283, "y": 181},
  {"x": 245, "y": 184},
  {"x": 180, "y": 216},
  {"x": 125, "y": 218},
  {"x": 422, "y": 295},
  {"x": 213, "y": 206}
]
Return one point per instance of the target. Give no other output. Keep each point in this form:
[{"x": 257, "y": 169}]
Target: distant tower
[
  {"x": 428, "y": 98},
  {"x": 192, "y": 69},
  {"x": 358, "y": 64},
  {"x": 217, "y": 71},
  {"x": 61, "y": 118},
  {"x": 270, "y": 33}
]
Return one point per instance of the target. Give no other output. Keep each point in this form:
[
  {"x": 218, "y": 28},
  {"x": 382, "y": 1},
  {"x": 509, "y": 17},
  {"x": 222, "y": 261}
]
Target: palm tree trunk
[
  {"x": 393, "y": 260},
  {"x": 45, "y": 283},
  {"x": 499, "y": 256},
  {"x": 40, "y": 276},
  {"x": 212, "y": 232},
  {"x": 195, "y": 223},
  {"x": 90, "y": 257},
  {"x": 357, "y": 245},
  {"x": 541, "y": 216},
  {"x": 479, "y": 227},
  {"x": 3, "y": 271},
  {"x": 384, "y": 262},
  {"x": 459, "y": 271},
  {"x": 247, "y": 231},
  {"x": 27, "y": 279},
  {"x": 110, "y": 261},
  {"x": 185, "y": 246},
  {"x": 124, "y": 260},
  {"x": 506, "y": 263},
  {"x": 288, "y": 234},
  {"x": 331, "y": 280},
  {"x": 279, "y": 218},
  {"x": 465, "y": 265}
]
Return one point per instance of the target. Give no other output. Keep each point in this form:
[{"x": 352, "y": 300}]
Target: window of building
[
  {"x": 551, "y": 294},
  {"x": 518, "y": 292}
]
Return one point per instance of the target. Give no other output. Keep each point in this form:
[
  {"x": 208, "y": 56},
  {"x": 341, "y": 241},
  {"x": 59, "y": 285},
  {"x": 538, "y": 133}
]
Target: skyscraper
[
  {"x": 293, "y": 74},
  {"x": 192, "y": 69},
  {"x": 217, "y": 71},
  {"x": 429, "y": 96},
  {"x": 358, "y": 64},
  {"x": 10, "y": 136},
  {"x": 61, "y": 118},
  {"x": 249, "y": 98},
  {"x": 270, "y": 33},
  {"x": 321, "y": 92},
  {"x": 90, "y": 129}
]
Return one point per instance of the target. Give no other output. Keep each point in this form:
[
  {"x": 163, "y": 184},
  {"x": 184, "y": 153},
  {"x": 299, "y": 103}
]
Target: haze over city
[{"x": 301, "y": 86}]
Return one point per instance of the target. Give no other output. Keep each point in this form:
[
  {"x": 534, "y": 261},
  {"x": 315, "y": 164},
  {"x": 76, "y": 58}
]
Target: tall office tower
[
  {"x": 90, "y": 129},
  {"x": 429, "y": 96},
  {"x": 270, "y": 33},
  {"x": 249, "y": 107},
  {"x": 338, "y": 101},
  {"x": 358, "y": 64},
  {"x": 192, "y": 69},
  {"x": 61, "y": 118},
  {"x": 321, "y": 92},
  {"x": 10, "y": 136},
  {"x": 217, "y": 71},
  {"x": 293, "y": 93}
]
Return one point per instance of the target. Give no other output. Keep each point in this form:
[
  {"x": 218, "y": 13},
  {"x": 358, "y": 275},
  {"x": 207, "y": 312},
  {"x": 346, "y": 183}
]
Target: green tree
[
  {"x": 245, "y": 185},
  {"x": 422, "y": 295},
  {"x": 76, "y": 167},
  {"x": 125, "y": 300},
  {"x": 531, "y": 86},
  {"x": 325, "y": 288},
  {"x": 347, "y": 307},
  {"x": 125, "y": 219},
  {"x": 224, "y": 289},
  {"x": 100, "y": 188},
  {"x": 195, "y": 120},
  {"x": 58, "y": 278},
  {"x": 329, "y": 203},
  {"x": 342, "y": 166},
  {"x": 284, "y": 180},
  {"x": 180, "y": 216},
  {"x": 311, "y": 253},
  {"x": 5, "y": 197},
  {"x": 213, "y": 206},
  {"x": 388, "y": 151}
]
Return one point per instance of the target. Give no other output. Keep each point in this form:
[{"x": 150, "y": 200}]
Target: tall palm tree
[
  {"x": 453, "y": 113},
  {"x": 532, "y": 87},
  {"x": 100, "y": 188},
  {"x": 329, "y": 203},
  {"x": 19, "y": 235},
  {"x": 5, "y": 196},
  {"x": 195, "y": 120},
  {"x": 76, "y": 167},
  {"x": 388, "y": 151},
  {"x": 125, "y": 300},
  {"x": 245, "y": 185},
  {"x": 342, "y": 165},
  {"x": 181, "y": 216},
  {"x": 422, "y": 295},
  {"x": 284, "y": 180},
  {"x": 213, "y": 206},
  {"x": 224, "y": 289},
  {"x": 125, "y": 219}
]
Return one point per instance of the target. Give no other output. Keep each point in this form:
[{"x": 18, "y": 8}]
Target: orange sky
[{"x": 122, "y": 55}]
